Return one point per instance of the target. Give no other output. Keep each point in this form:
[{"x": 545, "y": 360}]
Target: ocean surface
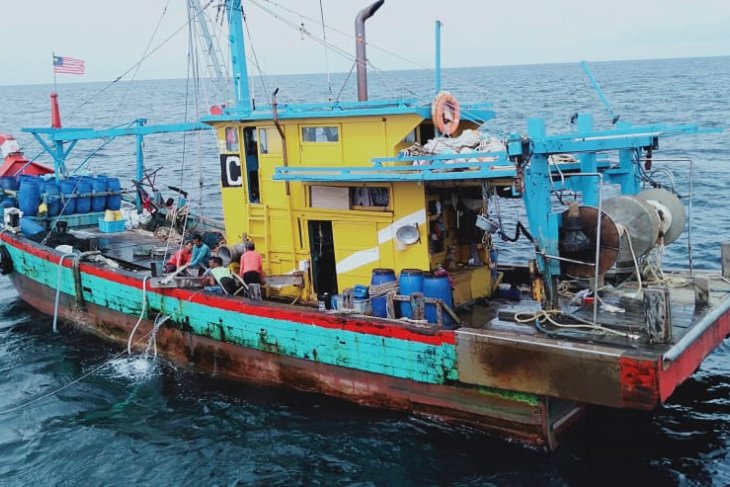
[{"x": 76, "y": 411}]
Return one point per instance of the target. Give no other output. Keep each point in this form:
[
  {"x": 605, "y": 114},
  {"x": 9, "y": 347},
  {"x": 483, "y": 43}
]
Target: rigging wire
[
  {"x": 478, "y": 88},
  {"x": 134, "y": 66},
  {"x": 347, "y": 55},
  {"x": 256, "y": 60},
  {"x": 326, "y": 57}
]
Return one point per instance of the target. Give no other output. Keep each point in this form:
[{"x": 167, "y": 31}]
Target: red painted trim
[
  {"x": 692, "y": 357},
  {"x": 639, "y": 383},
  {"x": 268, "y": 310},
  {"x": 645, "y": 383}
]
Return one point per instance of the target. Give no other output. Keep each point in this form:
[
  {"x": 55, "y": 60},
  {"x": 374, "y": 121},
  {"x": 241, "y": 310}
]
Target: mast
[{"x": 242, "y": 98}]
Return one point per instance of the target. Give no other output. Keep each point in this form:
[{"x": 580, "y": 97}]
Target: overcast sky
[{"x": 112, "y": 35}]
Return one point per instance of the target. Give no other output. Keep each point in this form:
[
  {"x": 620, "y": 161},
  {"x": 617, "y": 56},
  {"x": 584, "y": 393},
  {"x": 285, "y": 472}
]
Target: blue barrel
[
  {"x": 113, "y": 202},
  {"x": 83, "y": 203},
  {"x": 68, "y": 204},
  {"x": 29, "y": 196},
  {"x": 9, "y": 202},
  {"x": 30, "y": 227},
  {"x": 381, "y": 276},
  {"x": 53, "y": 197},
  {"x": 437, "y": 287},
  {"x": 410, "y": 281},
  {"x": 98, "y": 185},
  {"x": 8, "y": 182}
]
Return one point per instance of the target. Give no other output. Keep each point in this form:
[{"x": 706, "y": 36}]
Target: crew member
[
  {"x": 180, "y": 258},
  {"x": 201, "y": 254},
  {"x": 218, "y": 277},
  {"x": 252, "y": 271}
]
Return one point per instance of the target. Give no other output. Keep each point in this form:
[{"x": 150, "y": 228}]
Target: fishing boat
[{"x": 379, "y": 227}]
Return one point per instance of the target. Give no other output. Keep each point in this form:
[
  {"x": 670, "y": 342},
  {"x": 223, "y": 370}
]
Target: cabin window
[
  {"x": 349, "y": 198},
  {"x": 263, "y": 142},
  {"x": 410, "y": 138},
  {"x": 369, "y": 198},
  {"x": 231, "y": 139},
  {"x": 320, "y": 134}
]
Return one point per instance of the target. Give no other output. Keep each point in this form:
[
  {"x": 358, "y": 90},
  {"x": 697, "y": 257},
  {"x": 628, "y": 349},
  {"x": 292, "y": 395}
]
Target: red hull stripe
[{"x": 323, "y": 320}]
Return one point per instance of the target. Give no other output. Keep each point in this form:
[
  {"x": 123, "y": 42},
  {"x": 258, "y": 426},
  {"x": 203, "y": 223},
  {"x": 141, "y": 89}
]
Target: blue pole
[
  {"x": 140, "y": 160},
  {"x": 59, "y": 158},
  {"x": 234, "y": 11},
  {"x": 438, "y": 56},
  {"x": 601, "y": 95}
]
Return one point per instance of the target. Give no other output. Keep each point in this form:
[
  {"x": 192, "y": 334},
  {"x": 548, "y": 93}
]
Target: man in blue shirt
[{"x": 201, "y": 254}]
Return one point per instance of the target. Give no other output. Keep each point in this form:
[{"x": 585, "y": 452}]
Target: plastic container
[
  {"x": 410, "y": 281},
  {"x": 68, "y": 204},
  {"x": 362, "y": 306},
  {"x": 29, "y": 196},
  {"x": 83, "y": 203},
  {"x": 53, "y": 197},
  {"x": 98, "y": 185},
  {"x": 360, "y": 292},
  {"x": 379, "y": 304},
  {"x": 111, "y": 227},
  {"x": 29, "y": 227},
  {"x": 440, "y": 288},
  {"x": 8, "y": 202},
  {"x": 113, "y": 202},
  {"x": 9, "y": 183},
  {"x": 324, "y": 301}
]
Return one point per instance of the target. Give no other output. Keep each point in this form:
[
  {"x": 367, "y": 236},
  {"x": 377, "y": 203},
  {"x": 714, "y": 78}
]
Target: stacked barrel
[{"x": 74, "y": 195}]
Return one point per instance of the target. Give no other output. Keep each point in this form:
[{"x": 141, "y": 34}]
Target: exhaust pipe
[{"x": 362, "y": 71}]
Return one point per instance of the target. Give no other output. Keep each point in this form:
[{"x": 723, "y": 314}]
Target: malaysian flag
[{"x": 68, "y": 65}]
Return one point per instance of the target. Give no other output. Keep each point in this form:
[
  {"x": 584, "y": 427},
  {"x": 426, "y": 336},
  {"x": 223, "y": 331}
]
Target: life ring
[
  {"x": 445, "y": 113},
  {"x": 6, "y": 263}
]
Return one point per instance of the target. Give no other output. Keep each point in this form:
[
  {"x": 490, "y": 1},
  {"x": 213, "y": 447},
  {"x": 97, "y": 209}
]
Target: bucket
[
  {"x": 98, "y": 185},
  {"x": 410, "y": 281},
  {"x": 336, "y": 301},
  {"x": 437, "y": 287},
  {"x": 379, "y": 304},
  {"x": 29, "y": 196},
  {"x": 83, "y": 203},
  {"x": 29, "y": 227},
  {"x": 324, "y": 301},
  {"x": 68, "y": 204},
  {"x": 53, "y": 197},
  {"x": 113, "y": 202},
  {"x": 231, "y": 253},
  {"x": 362, "y": 306}
]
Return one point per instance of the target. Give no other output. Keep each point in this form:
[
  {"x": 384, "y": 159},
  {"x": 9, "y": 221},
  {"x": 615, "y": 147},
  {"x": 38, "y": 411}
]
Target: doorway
[{"x": 322, "y": 251}]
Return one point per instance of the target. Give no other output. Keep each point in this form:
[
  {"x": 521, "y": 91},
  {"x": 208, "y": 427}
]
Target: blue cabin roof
[{"x": 477, "y": 113}]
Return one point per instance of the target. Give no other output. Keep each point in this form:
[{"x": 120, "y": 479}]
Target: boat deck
[{"x": 132, "y": 249}]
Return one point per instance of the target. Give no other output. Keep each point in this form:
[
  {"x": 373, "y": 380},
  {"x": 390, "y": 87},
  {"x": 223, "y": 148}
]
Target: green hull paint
[{"x": 434, "y": 364}]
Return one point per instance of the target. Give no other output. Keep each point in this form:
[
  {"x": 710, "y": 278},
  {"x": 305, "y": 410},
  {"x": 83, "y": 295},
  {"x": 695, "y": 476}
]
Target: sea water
[{"x": 145, "y": 421}]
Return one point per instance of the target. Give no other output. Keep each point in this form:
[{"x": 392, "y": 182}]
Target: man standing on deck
[
  {"x": 201, "y": 254},
  {"x": 252, "y": 271}
]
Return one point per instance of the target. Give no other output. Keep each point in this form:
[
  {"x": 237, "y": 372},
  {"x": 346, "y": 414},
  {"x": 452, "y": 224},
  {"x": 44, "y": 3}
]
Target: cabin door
[
  {"x": 322, "y": 250},
  {"x": 252, "y": 164}
]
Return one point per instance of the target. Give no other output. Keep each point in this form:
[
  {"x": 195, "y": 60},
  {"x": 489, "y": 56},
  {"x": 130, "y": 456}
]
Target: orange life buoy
[{"x": 445, "y": 113}]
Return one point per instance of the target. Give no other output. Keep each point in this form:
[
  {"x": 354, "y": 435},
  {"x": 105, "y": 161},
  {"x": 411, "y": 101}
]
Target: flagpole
[{"x": 53, "y": 63}]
